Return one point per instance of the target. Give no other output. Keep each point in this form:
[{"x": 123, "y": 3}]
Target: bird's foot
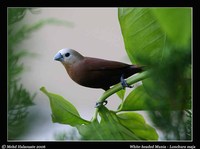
[
  {"x": 124, "y": 83},
  {"x": 98, "y": 104}
]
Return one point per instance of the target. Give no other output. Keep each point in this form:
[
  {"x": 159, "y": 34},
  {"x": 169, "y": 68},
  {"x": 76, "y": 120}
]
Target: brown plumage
[{"x": 94, "y": 72}]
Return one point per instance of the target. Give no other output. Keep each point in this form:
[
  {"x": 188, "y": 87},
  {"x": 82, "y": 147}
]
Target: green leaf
[
  {"x": 114, "y": 129},
  {"x": 123, "y": 126},
  {"x": 138, "y": 99},
  {"x": 121, "y": 93},
  {"x": 108, "y": 128},
  {"x": 87, "y": 131},
  {"x": 136, "y": 123},
  {"x": 63, "y": 111},
  {"x": 176, "y": 22},
  {"x": 146, "y": 32},
  {"x": 143, "y": 38},
  {"x": 150, "y": 38},
  {"x": 160, "y": 39}
]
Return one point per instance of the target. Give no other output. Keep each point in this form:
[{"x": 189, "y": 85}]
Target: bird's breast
[
  {"x": 78, "y": 73},
  {"x": 84, "y": 76}
]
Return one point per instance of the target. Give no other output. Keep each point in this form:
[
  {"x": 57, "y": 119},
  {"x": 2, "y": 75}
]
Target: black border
[
  {"x": 4, "y": 4},
  {"x": 102, "y": 3},
  {"x": 3, "y": 74}
]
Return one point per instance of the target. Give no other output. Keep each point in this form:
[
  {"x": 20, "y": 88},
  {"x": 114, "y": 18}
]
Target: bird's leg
[
  {"x": 124, "y": 83},
  {"x": 98, "y": 104}
]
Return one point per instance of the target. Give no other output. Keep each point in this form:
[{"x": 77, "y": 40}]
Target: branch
[{"x": 118, "y": 87}]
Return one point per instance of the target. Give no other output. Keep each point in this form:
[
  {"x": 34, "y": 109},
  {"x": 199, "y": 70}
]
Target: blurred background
[{"x": 93, "y": 32}]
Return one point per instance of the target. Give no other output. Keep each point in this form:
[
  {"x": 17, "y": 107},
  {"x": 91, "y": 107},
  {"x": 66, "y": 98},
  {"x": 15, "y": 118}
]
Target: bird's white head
[{"x": 68, "y": 56}]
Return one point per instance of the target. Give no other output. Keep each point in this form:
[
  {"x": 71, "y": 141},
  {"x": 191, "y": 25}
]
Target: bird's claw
[
  {"x": 98, "y": 104},
  {"x": 124, "y": 83}
]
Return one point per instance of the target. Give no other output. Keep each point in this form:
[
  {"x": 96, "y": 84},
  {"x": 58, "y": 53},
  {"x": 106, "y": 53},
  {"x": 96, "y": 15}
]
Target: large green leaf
[
  {"x": 138, "y": 99},
  {"x": 87, "y": 131},
  {"x": 147, "y": 31},
  {"x": 160, "y": 36},
  {"x": 160, "y": 39},
  {"x": 63, "y": 111},
  {"x": 105, "y": 131},
  {"x": 136, "y": 123},
  {"x": 176, "y": 22},
  {"x": 114, "y": 129},
  {"x": 122, "y": 126},
  {"x": 143, "y": 37}
]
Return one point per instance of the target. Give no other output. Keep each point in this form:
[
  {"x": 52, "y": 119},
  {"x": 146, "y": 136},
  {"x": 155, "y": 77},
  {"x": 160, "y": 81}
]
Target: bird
[{"x": 95, "y": 72}]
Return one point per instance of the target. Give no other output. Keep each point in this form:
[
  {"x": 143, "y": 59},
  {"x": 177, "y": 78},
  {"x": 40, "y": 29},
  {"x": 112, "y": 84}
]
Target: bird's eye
[{"x": 67, "y": 54}]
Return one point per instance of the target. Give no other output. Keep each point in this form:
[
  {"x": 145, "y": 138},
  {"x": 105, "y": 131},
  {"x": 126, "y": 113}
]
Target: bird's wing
[{"x": 95, "y": 64}]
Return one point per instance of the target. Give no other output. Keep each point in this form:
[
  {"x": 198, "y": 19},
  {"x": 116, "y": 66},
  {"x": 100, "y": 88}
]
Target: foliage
[
  {"x": 153, "y": 38},
  {"x": 63, "y": 111},
  {"x": 160, "y": 39},
  {"x": 112, "y": 125},
  {"x": 19, "y": 98}
]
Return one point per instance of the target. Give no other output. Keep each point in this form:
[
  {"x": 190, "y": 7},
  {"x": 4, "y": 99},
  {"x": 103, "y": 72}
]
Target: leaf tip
[{"x": 43, "y": 89}]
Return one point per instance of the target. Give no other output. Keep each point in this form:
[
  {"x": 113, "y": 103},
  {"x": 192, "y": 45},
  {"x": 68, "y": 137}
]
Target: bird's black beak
[{"x": 58, "y": 57}]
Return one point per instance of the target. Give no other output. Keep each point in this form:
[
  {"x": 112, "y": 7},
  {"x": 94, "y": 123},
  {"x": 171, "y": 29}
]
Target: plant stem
[{"x": 118, "y": 87}]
